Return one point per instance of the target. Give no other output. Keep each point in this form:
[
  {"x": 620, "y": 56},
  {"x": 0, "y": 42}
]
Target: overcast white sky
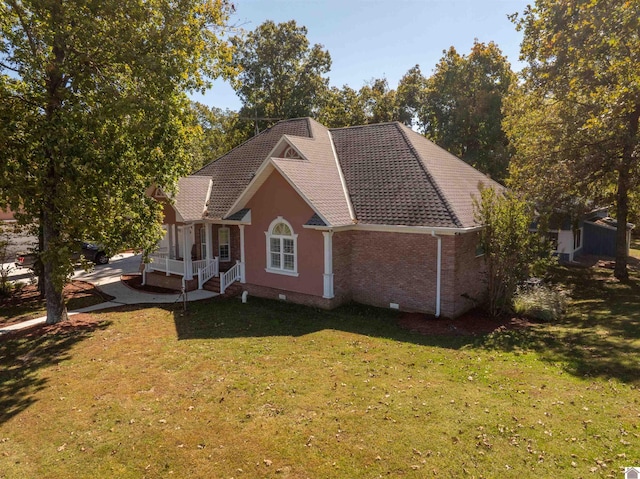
[{"x": 382, "y": 38}]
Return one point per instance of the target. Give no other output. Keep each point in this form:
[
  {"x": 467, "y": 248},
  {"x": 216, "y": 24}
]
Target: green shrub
[{"x": 542, "y": 302}]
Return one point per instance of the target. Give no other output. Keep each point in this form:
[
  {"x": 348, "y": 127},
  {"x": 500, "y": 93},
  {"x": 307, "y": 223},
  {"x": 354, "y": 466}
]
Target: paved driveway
[{"x": 107, "y": 279}]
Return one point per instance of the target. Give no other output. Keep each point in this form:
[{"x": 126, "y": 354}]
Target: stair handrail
[
  {"x": 209, "y": 271},
  {"x": 230, "y": 276}
]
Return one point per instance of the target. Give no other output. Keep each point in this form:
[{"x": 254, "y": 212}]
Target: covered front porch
[{"x": 189, "y": 257}]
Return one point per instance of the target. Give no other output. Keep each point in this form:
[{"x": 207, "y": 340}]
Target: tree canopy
[
  {"x": 573, "y": 120},
  {"x": 93, "y": 111},
  {"x": 281, "y": 75},
  {"x": 511, "y": 252},
  {"x": 459, "y": 107},
  {"x": 342, "y": 107},
  {"x": 222, "y": 130}
]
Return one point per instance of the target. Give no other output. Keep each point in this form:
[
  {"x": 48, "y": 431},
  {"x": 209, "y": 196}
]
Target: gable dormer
[
  {"x": 286, "y": 149},
  {"x": 291, "y": 153}
]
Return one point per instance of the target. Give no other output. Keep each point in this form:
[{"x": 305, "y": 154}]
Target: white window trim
[
  {"x": 203, "y": 242},
  {"x": 575, "y": 235},
  {"x": 223, "y": 260},
  {"x": 294, "y": 237}
]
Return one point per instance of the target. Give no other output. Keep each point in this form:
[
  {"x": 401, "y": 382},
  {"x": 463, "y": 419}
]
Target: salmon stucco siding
[
  {"x": 276, "y": 198},
  {"x": 168, "y": 212}
]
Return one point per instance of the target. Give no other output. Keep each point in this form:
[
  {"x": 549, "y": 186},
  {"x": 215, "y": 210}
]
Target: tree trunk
[
  {"x": 52, "y": 270},
  {"x": 622, "y": 213},
  {"x": 56, "y": 309},
  {"x": 40, "y": 270},
  {"x": 622, "y": 195}
]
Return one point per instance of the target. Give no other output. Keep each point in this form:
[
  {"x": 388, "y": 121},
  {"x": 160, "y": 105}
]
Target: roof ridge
[
  {"x": 343, "y": 182},
  {"x": 429, "y": 176},
  {"x": 351, "y": 127},
  {"x": 196, "y": 173},
  {"x": 459, "y": 160}
]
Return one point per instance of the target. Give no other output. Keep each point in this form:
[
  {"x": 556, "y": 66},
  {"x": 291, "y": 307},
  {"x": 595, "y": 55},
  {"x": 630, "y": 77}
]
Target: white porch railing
[
  {"x": 201, "y": 269},
  {"x": 196, "y": 265},
  {"x": 234, "y": 274},
  {"x": 209, "y": 271},
  {"x": 161, "y": 262},
  {"x": 174, "y": 266}
]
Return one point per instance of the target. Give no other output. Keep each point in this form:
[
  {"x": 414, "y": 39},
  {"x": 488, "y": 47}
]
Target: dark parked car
[{"x": 90, "y": 252}]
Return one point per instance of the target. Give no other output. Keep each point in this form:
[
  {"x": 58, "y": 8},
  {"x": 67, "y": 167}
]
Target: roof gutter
[{"x": 398, "y": 228}]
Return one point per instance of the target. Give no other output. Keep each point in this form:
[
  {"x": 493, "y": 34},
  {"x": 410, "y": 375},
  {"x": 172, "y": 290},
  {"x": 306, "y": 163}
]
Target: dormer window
[{"x": 291, "y": 153}]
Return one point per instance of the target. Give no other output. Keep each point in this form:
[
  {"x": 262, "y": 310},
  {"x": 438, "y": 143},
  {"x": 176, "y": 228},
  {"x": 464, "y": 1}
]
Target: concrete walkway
[{"x": 107, "y": 279}]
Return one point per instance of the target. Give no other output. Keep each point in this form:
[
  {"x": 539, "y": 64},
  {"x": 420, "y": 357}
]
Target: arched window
[
  {"x": 291, "y": 153},
  {"x": 282, "y": 250}
]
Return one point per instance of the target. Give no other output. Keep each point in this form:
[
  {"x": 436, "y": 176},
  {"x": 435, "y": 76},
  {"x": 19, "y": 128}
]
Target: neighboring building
[
  {"x": 375, "y": 214},
  {"x": 593, "y": 234},
  {"x": 6, "y": 215}
]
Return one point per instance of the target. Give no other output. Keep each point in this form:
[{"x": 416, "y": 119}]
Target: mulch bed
[
  {"x": 472, "y": 323},
  {"x": 134, "y": 281},
  {"x": 73, "y": 290},
  {"x": 29, "y": 295}
]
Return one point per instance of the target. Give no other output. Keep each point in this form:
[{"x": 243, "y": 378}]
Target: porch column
[
  {"x": 172, "y": 241},
  {"x": 207, "y": 231},
  {"x": 186, "y": 251},
  {"x": 328, "y": 264},
  {"x": 242, "y": 269}
]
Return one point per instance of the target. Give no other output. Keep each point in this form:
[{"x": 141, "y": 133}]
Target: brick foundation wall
[
  {"x": 342, "y": 245},
  {"x": 471, "y": 284},
  {"x": 463, "y": 281},
  {"x": 402, "y": 268},
  {"x": 394, "y": 268},
  {"x": 291, "y": 296},
  {"x": 161, "y": 280}
]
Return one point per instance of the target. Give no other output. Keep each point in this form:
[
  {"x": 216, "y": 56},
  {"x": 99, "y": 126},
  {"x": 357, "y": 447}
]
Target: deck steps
[{"x": 234, "y": 289}]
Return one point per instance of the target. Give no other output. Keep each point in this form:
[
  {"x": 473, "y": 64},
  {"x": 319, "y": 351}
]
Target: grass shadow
[
  {"x": 600, "y": 334},
  {"x": 228, "y": 318},
  {"x": 24, "y": 353}
]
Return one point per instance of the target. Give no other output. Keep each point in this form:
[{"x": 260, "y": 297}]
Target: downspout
[{"x": 438, "y": 271}]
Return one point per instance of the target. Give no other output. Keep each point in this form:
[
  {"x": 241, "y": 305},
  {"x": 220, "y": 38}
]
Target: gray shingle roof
[
  {"x": 393, "y": 175},
  {"x": 387, "y": 181},
  {"x": 457, "y": 181},
  {"x": 232, "y": 172},
  {"x": 315, "y": 220},
  {"x": 191, "y": 203},
  {"x": 238, "y": 215},
  {"x": 317, "y": 176}
]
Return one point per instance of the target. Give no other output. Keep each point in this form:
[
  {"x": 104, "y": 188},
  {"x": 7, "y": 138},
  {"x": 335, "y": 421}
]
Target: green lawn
[{"x": 269, "y": 389}]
